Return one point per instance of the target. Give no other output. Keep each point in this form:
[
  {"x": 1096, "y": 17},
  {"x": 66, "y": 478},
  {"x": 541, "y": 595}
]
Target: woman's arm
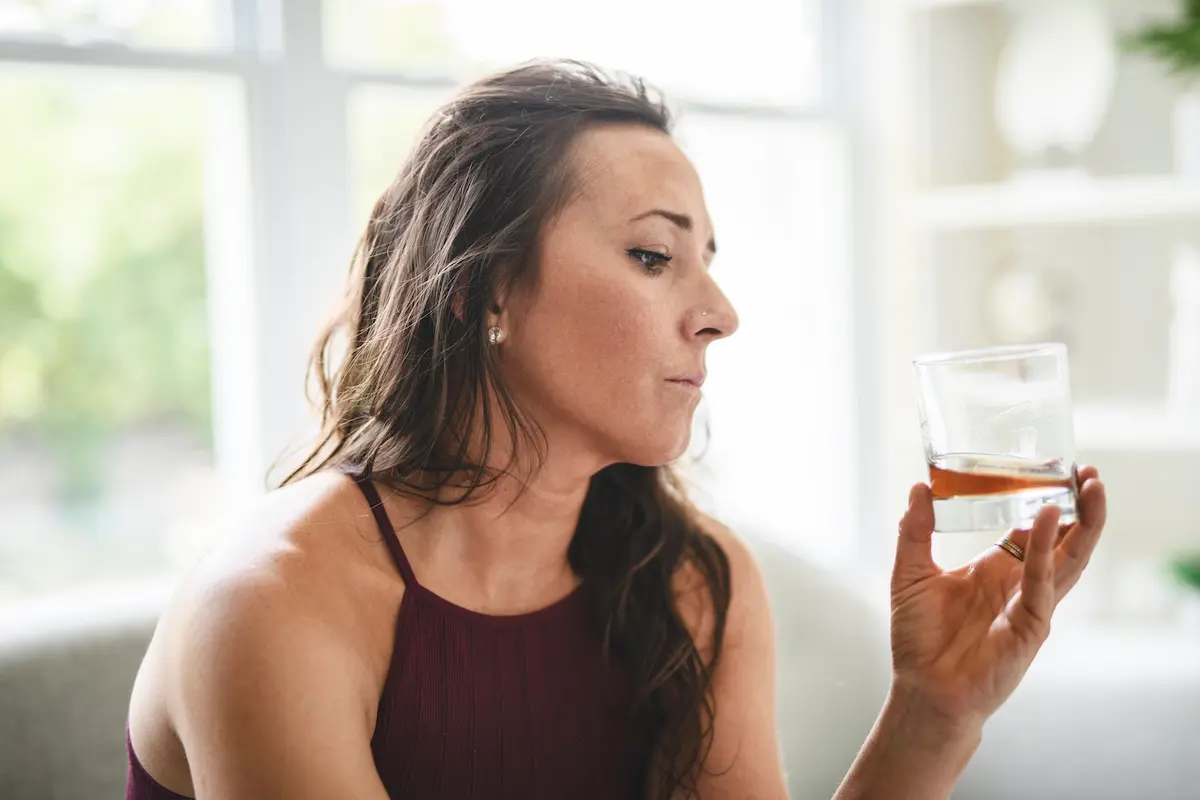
[
  {"x": 269, "y": 696},
  {"x": 911, "y": 752}
]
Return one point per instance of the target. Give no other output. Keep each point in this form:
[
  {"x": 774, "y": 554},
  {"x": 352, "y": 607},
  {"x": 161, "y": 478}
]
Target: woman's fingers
[
  {"x": 1019, "y": 537},
  {"x": 914, "y": 545},
  {"x": 1075, "y": 550},
  {"x": 1082, "y": 475},
  {"x": 1031, "y": 609}
]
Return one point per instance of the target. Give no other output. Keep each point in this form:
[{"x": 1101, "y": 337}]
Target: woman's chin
[{"x": 657, "y": 449}]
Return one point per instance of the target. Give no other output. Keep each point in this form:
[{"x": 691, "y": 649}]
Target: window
[
  {"x": 106, "y": 462},
  {"x": 175, "y": 24},
  {"x": 383, "y": 123},
  {"x": 765, "y": 53},
  {"x": 183, "y": 184}
]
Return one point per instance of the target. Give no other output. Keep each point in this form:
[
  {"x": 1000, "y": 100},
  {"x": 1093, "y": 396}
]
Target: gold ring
[{"x": 1012, "y": 548}]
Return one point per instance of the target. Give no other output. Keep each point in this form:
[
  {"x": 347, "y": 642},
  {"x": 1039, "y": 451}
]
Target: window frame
[{"x": 290, "y": 134}]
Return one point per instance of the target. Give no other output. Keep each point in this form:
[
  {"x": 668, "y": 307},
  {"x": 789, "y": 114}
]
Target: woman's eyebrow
[{"x": 682, "y": 221}]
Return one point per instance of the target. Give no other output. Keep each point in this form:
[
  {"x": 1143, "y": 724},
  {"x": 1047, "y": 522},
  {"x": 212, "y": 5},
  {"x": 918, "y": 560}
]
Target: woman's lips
[{"x": 693, "y": 379}]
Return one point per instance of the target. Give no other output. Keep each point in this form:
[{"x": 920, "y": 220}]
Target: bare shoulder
[
  {"x": 300, "y": 594},
  {"x": 307, "y": 554},
  {"x": 736, "y": 550},
  {"x": 694, "y": 595}
]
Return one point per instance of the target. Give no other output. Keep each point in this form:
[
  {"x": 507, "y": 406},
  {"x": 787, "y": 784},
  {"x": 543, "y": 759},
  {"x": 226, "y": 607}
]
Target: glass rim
[{"x": 1010, "y": 352}]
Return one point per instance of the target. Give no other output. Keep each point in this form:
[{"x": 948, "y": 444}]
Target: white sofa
[
  {"x": 1124, "y": 732},
  {"x": 66, "y": 670},
  {"x": 1101, "y": 715}
]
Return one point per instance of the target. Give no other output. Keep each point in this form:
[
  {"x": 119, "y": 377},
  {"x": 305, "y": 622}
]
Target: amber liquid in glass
[
  {"x": 973, "y": 474},
  {"x": 979, "y": 491}
]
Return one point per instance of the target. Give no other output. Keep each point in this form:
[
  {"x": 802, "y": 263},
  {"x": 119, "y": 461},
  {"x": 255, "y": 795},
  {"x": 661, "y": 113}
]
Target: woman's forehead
[{"x": 629, "y": 169}]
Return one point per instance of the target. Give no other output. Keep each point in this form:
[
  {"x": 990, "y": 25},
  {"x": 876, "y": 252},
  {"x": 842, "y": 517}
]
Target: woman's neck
[{"x": 508, "y": 546}]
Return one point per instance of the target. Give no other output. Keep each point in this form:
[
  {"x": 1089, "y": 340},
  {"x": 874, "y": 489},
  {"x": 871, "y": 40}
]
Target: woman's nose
[{"x": 713, "y": 318}]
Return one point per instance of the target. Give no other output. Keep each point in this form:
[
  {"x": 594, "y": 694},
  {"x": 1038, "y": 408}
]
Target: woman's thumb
[{"x": 914, "y": 545}]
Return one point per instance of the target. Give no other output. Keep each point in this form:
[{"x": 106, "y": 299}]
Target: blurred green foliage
[
  {"x": 1176, "y": 43},
  {"x": 1187, "y": 569},
  {"x": 103, "y": 323},
  {"x": 183, "y": 24},
  {"x": 102, "y": 299}
]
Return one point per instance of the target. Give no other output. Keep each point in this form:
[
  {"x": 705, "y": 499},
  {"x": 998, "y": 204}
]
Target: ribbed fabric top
[{"x": 500, "y": 707}]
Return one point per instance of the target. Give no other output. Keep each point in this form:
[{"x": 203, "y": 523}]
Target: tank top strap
[{"x": 367, "y": 486}]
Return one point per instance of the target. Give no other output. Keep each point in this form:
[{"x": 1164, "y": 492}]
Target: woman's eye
[{"x": 650, "y": 260}]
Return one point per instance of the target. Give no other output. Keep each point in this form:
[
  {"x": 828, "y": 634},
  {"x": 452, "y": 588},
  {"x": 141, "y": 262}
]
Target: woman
[{"x": 483, "y": 581}]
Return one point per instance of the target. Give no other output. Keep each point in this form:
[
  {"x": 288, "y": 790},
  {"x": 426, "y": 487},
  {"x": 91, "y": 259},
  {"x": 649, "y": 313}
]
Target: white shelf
[
  {"x": 1057, "y": 201},
  {"x": 1134, "y": 428}
]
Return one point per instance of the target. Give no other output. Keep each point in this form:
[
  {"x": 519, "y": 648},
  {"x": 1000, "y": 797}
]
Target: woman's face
[{"x": 608, "y": 352}]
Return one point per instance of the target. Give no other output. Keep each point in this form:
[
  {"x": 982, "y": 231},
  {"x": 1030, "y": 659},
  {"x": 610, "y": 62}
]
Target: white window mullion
[
  {"x": 297, "y": 119},
  {"x": 231, "y": 301}
]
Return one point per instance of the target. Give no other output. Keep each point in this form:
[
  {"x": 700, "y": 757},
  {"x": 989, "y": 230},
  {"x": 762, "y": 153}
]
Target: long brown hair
[{"x": 403, "y": 369}]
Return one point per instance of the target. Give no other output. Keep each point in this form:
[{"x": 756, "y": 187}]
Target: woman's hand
[{"x": 962, "y": 639}]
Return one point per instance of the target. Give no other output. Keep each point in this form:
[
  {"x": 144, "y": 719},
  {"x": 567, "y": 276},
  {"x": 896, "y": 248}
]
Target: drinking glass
[{"x": 999, "y": 435}]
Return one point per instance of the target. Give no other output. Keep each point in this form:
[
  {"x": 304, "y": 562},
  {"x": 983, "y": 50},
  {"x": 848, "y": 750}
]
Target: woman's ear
[
  {"x": 458, "y": 300},
  {"x": 499, "y": 305},
  {"x": 456, "y": 304}
]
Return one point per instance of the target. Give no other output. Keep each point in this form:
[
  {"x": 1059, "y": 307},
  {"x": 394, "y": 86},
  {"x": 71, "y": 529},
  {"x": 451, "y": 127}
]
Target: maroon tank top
[{"x": 497, "y": 707}]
